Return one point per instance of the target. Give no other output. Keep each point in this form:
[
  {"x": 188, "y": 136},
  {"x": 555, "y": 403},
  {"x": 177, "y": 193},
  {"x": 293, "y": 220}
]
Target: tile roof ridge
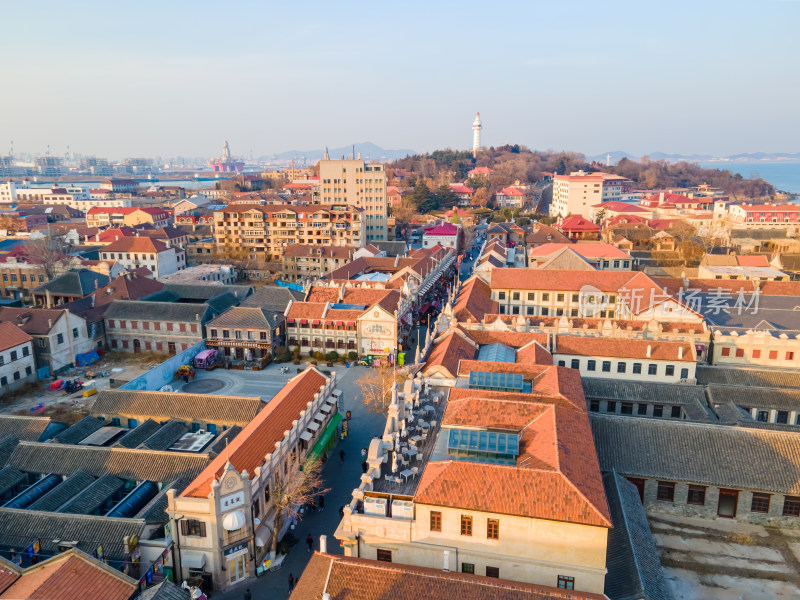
[{"x": 603, "y": 517}]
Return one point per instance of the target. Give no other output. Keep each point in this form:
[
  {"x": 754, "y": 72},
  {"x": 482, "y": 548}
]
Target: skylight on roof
[
  {"x": 497, "y": 353},
  {"x": 349, "y": 306},
  {"x": 483, "y": 446},
  {"x": 499, "y": 382}
]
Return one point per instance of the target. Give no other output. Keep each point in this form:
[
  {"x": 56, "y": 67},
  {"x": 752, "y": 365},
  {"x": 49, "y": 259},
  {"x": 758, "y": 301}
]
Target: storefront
[
  {"x": 235, "y": 560},
  {"x": 327, "y": 439}
]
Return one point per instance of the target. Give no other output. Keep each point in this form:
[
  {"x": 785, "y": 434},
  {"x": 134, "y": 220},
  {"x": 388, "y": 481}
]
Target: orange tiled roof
[
  {"x": 361, "y": 579},
  {"x": 135, "y": 244},
  {"x": 306, "y": 310},
  {"x": 323, "y": 294},
  {"x": 557, "y": 459},
  {"x": 474, "y": 301},
  {"x": 449, "y": 351},
  {"x": 11, "y": 335},
  {"x": 257, "y": 439},
  {"x": 624, "y": 348}
]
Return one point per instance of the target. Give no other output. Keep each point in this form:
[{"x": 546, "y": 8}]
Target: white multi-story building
[
  {"x": 359, "y": 184},
  {"x": 134, "y": 252},
  {"x": 16, "y": 357},
  {"x": 8, "y": 192},
  {"x": 578, "y": 192}
]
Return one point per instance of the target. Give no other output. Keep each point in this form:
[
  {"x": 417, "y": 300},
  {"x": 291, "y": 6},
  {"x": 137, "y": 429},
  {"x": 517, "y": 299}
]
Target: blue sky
[{"x": 176, "y": 78}]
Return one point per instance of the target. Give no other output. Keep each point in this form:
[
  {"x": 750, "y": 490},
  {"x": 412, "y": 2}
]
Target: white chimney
[
  {"x": 446, "y": 566},
  {"x": 649, "y": 349},
  {"x": 323, "y": 544},
  {"x": 680, "y": 352},
  {"x": 326, "y": 597}
]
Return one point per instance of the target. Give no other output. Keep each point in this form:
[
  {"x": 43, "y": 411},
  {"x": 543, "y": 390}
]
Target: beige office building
[{"x": 360, "y": 184}]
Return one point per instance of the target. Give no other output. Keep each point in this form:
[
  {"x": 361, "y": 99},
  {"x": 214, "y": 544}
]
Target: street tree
[
  {"x": 376, "y": 387},
  {"x": 291, "y": 490},
  {"x": 51, "y": 252}
]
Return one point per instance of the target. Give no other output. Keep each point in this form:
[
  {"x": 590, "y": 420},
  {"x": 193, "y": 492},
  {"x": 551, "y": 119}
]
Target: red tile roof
[
  {"x": 135, "y": 244},
  {"x": 758, "y": 260},
  {"x": 306, "y": 310},
  {"x": 591, "y": 250},
  {"x": 556, "y": 475},
  {"x": 348, "y": 578},
  {"x": 324, "y": 294},
  {"x": 446, "y": 354},
  {"x": 71, "y": 575},
  {"x": 511, "y": 191},
  {"x": 11, "y": 336},
  {"x": 577, "y": 223},
  {"x": 257, "y": 439},
  {"x": 624, "y": 348},
  {"x": 443, "y": 229},
  {"x": 461, "y": 189},
  {"x": 474, "y": 301},
  {"x": 621, "y": 207},
  {"x": 480, "y": 171}
]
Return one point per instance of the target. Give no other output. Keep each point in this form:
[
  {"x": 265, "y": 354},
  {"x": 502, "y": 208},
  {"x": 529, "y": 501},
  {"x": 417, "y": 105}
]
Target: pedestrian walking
[
  {"x": 341, "y": 511},
  {"x": 310, "y": 542},
  {"x": 248, "y": 595},
  {"x": 341, "y": 455},
  {"x": 291, "y": 582},
  {"x": 321, "y": 503}
]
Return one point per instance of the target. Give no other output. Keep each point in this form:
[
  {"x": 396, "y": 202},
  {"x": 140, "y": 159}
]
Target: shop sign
[{"x": 235, "y": 549}]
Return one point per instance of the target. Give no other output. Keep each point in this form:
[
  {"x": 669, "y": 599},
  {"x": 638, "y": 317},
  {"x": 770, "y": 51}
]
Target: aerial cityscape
[{"x": 400, "y": 301}]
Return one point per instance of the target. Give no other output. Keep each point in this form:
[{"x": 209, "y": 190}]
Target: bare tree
[
  {"x": 376, "y": 387},
  {"x": 292, "y": 490},
  {"x": 51, "y": 252}
]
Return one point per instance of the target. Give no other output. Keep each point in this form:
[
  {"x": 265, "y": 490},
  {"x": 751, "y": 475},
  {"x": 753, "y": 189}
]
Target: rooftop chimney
[
  {"x": 323, "y": 544},
  {"x": 446, "y": 565},
  {"x": 649, "y": 350},
  {"x": 680, "y": 352}
]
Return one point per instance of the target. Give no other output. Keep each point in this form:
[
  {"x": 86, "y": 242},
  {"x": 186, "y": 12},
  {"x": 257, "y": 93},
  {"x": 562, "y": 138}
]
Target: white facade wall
[
  {"x": 609, "y": 367},
  {"x": 17, "y": 366}
]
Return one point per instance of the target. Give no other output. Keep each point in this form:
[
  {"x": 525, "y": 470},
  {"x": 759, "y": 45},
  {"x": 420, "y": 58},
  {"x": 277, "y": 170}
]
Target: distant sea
[{"x": 783, "y": 175}]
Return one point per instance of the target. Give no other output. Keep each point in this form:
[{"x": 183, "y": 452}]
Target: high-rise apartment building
[
  {"x": 576, "y": 193},
  {"x": 359, "y": 184}
]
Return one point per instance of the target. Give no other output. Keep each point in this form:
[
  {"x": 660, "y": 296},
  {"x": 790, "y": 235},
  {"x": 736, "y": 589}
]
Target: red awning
[
  {"x": 351, "y": 323},
  {"x": 340, "y": 322},
  {"x": 328, "y": 322},
  {"x": 304, "y": 321},
  {"x": 315, "y": 322},
  {"x": 290, "y": 320}
]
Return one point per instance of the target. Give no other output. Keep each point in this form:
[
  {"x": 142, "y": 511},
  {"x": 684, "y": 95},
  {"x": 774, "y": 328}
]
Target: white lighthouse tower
[{"x": 476, "y": 134}]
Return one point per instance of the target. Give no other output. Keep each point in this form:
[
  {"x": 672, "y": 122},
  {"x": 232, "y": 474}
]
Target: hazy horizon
[{"x": 176, "y": 79}]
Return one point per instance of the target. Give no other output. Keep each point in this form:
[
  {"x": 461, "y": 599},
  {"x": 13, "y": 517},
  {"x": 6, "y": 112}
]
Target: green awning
[{"x": 327, "y": 435}]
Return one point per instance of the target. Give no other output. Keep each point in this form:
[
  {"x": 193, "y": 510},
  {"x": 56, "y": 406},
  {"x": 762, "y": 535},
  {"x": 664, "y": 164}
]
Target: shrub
[
  {"x": 332, "y": 356},
  {"x": 352, "y": 355},
  {"x": 318, "y": 355},
  {"x": 296, "y": 353}
]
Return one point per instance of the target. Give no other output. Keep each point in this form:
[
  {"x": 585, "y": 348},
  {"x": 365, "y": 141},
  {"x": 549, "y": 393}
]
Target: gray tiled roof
[
  {"x": 139, "y": 434},
  {"x": 717, "y": 455},
  {"x": 218, "y": 445},
  {"x": 189, "y": 407},
  {"x": 273, "y": 298},
  {"x": 761, "y": 397},
  {"x": 155, "y": 510},
  {"x": 163, "y": 311},
  {"x": 634, "y": 569},
  {"x": 691, "y": 397},
  {"x": 166, "y": 590},
  {"x": 167, "y": 435},
  {"x": 30, "y": 429},
  {"x": 783, "y": 378},
  {"x": 393, "y": 248},
  {"x": 80, "y": 430},
  {"x": 7, "y": 445},
  {"x": 63, "y": 493},
  {"x": 94, "y": 496},
  {"x": 132, "y": 464},
  {"x": 21, "y": 527},
  {"x": 246, "y": 317},
  {"x": 10, "y": 478},
  {"x": 79, "y": 282},
  {"x": 195, "y": 291}
]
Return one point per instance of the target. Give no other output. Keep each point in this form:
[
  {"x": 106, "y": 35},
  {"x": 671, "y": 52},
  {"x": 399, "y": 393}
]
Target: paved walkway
[{"x": 340, "y": 478}]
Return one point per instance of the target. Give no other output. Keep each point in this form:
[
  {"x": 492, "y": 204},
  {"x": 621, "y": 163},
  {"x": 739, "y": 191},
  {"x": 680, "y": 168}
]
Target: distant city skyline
[{"x": 179, "y": 78}]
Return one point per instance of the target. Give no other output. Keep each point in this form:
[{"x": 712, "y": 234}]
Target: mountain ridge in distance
[{"x": 368, "y": 151}]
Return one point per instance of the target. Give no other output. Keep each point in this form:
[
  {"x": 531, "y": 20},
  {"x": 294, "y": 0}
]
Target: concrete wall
[{"x": 164, "y": 373}]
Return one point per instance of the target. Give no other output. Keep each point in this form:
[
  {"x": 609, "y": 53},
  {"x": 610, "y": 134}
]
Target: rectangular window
[
  {"x": 501, "y": 295},
  {"x": 652, "y": 369},
  {"x": 493, "y": 529},
  {"x": 566, "y": 583},
  {"x": 545, "y": 297},
  {"x": 696, "y": 495},
  {"x": 790, "y": 356},
  {"x": 468, "y": 568},
  {"x": 782, "y": 417},
  {"x": 493, "y": 572},
  {"x": 594, "y": 405},
  {"x": 436, "y": 521},
  {"x": 676, "y": 412},
  {"x": 74, "y": 332},
  {"x": 611, "y": 406},
  {"x": 726, "y": 352},
  {"x": 739, "y": 352},
  {"x": 384, "y": 555},
  {"x": 637, "y": 368},
  {"x": 791, "y": 506},
  {"x": 666, "y": 491},
  {"x": 773, "y": 354},
  {"x": 642, "y": 409},
  {"x": 515, "y": 296},
  {"x": 591, "y": 365},
  {"x": 193, "y": 527},
  {"x": 60, "y": 338},
  {"x": 760, "y": 503},
  {"x": 626, "y": 408},
  {"x": 670, "y": 370},
  {"x": 575, "y": 363},
  {"x": 559, "y": 297},
  {"x": 606, "y": 366},
  {"x": 531, "y": 296},
  {"x": 466, "y": 525},
  {"x": 658, "y": 410},
  {"x": 621, "y": 366},
  {"x": 756, "y": 353}
]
